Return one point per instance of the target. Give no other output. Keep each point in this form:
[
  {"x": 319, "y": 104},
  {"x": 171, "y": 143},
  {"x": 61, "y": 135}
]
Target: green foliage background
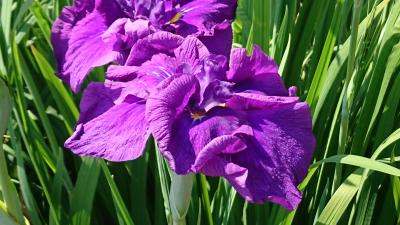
[{"x": 344, "y": 57}]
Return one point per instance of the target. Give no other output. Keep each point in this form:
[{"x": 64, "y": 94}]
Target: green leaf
[
  {"x": 338, "y": 203},
  {"x": 164, "y": 176},
  {"x": 325, "y": 59},
  {"x": 27, "y": 195},
  {"x": 396, "y": 194},
  {"x": 122, "y": 211},
  {"x": 42, "y": 20},
  {"x": 5, "y": 16},
  {"x": 8, "y": 190},
  {"x": 83, "y": 194},
  {"x": 206, "y": 199},
  {"x": 62, "y": 97},
  {"x": 393, "y": 138},
  {"x": 362, "y": 162}
]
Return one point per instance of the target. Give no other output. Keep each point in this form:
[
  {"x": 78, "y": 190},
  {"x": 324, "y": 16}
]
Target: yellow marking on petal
[
  {"x": 176, "y": 18},
  {"x": 196, "y": 115},
  {"x": 222, "y": 105}
]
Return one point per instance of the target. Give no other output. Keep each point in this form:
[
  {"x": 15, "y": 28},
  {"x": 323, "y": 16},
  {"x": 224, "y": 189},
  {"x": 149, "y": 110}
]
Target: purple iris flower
[
  {"x": 92, "y": 33},
  {"x": 232, "y": 119}
]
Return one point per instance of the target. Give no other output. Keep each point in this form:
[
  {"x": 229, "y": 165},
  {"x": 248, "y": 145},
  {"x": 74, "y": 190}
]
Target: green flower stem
[
  {"x": 179, "y": 197},
  {"x": 8, "y": 189}
]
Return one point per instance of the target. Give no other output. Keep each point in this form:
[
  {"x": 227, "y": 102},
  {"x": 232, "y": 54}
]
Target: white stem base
[{"x": 179, "y": 197}]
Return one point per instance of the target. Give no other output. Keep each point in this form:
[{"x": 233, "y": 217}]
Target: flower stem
[{"x": 179, "y": 197}]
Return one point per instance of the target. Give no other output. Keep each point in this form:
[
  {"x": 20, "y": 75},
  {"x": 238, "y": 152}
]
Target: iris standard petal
[
  {"x": 116, "y": 132},
  {"x": 255, "y": 73}
]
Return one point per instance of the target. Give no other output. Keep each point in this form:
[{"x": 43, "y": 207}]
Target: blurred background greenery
[{"x": 344, "y": 57}]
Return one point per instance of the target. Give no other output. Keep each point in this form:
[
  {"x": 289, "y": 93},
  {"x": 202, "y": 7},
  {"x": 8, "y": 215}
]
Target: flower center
[
  {"x": 175, "y": 19},
  {"x": 197, "y": 115}
]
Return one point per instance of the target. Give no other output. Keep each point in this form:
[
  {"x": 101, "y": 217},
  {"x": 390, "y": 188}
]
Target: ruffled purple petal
[
  {"x": 142, "y": 80},
  {"x": 228, "y": 144},
  {"x": 261, "y": 178},
  {"x": 162, "y": 108},
  {"x": 77, "y": 41},
  {"x": 191, "y": 51},
  {"x": 219, "y": 40},
  {"x": 155, "y": 70},
  {"x": 122, "y": 73},
  {"x": 290, "y": 135},
  {"x": 268, "y": 154},
  {"x": 160, "y": 67},
  {"x": 124, "y": 33},
  {"x": 110, "y": 126},
  {"x": 251, "y": 101},
  {"x": 159, "y": 42},
  {"x": 191, "y": 135},
  {"x": 276, "y": 162},
  {"x": 255, "y": 73},
  {"x": 139, "y": 88},
  {"x": 255, "y": 174},
  {"x": 179, "y": 133},
  {"x": 200, "y": 16}
]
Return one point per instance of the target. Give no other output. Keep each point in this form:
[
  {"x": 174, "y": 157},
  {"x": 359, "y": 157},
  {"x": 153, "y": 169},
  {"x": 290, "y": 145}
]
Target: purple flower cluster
[{"x": 212, "y": 109}]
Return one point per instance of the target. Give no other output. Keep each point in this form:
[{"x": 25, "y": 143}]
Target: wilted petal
[
  {"x": 77, "y": 42},
  {"x": 116, "y": 132},
  {"x": 255, "y": 73}
]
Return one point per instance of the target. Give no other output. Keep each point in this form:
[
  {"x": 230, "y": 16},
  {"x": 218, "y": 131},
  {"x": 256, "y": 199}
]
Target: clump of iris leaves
[{"x": 344, "y": 57}]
